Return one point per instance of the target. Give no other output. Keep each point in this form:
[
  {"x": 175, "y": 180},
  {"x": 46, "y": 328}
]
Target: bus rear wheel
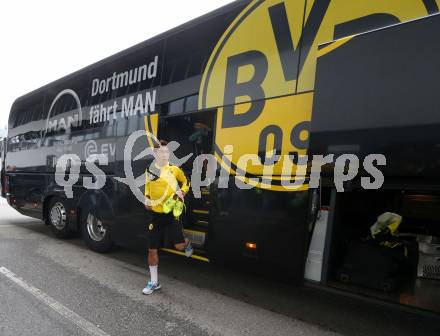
[
  {"x": 57, "y": 218},
  {"x": 96, "y": 234}
]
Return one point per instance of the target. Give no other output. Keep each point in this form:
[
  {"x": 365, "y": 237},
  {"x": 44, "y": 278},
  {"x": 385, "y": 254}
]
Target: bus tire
[
  {"x": 57, "y": 218},
  {"x": 96, "y": 235}
]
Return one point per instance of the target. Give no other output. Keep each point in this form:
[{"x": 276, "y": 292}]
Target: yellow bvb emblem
[
  {"x": 260, "y": 79},
  {"x": 150, "y": 227}
]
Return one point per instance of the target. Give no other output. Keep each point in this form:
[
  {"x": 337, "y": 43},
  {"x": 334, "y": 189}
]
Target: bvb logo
[{"x": 260, "y": 76}]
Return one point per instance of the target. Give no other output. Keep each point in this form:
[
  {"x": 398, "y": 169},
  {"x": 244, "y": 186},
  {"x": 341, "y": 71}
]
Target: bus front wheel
[{"x": 96, "y": 234}]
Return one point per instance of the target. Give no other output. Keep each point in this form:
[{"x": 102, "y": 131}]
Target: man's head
[{"x": 161, "y": 153}]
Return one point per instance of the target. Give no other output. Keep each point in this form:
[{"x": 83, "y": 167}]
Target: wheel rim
[
  {"x": 95, "y": 228},
  {"x": 58, "y": 216}
]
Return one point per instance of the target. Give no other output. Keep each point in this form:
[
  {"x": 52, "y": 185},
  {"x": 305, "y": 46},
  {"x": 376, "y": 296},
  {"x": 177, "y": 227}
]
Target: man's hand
[{"x": 180, "y": 194}]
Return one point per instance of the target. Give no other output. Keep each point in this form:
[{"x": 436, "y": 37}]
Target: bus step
[
  {"x": 200, "y": 212},
  {"x": 202, "y": 223},
  {"x": 205, "y": 191},
  {"x": 198, "y": 238},
  {"x": 194, "y": 256}
]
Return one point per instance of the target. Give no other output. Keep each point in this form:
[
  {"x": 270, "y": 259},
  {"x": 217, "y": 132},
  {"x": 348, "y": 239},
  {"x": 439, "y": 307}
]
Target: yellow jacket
[{"x": 160, "y": 186}]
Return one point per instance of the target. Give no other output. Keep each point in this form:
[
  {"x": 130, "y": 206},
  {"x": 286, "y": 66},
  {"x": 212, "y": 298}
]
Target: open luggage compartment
[
  {"x": 377, "y": 93},
  {"x": 410, "y": 277}
]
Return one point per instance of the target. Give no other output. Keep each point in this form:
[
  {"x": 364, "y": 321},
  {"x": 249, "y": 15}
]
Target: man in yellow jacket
[{"x": 166, "y": 186}]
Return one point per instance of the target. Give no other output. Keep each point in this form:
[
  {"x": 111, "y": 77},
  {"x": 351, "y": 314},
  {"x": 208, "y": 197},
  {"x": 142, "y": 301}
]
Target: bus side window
[
  {"x": 191, "y": 103},
  {"x": 176, "y": 107}
]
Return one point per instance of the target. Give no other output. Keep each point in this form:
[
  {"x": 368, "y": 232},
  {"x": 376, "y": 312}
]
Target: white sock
[{"x": 153, "y": 274}]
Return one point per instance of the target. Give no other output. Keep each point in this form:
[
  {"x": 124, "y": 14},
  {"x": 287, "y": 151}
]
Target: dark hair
[{"x": 159, "y": 144}]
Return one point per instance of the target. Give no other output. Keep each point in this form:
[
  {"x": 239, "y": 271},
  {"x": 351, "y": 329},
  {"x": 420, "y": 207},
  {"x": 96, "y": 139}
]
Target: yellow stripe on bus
[
  {"x": 183, "y": 254},
  {"x": 332, "y": 46},
  {"x": 194, "y": 231},
  {"x": 205, "y": 212}
]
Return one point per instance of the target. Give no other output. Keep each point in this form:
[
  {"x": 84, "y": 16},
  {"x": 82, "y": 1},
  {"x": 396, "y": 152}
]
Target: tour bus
[{"x": 242, "y": 81}]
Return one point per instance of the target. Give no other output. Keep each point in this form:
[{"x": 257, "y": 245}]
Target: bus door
[{"x": 194, "y": 134}]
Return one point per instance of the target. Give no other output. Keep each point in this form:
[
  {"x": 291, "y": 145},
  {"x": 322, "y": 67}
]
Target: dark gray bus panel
[{"x": 378, "y": 93}]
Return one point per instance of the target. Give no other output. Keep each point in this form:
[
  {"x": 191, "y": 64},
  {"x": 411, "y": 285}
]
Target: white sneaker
[
  {"x": 150, "y": 288},
  {"x": 189, "y": 249}
]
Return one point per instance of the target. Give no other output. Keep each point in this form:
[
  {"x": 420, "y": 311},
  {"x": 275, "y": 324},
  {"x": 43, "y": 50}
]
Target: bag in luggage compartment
[{"x": 379, "y": 261}]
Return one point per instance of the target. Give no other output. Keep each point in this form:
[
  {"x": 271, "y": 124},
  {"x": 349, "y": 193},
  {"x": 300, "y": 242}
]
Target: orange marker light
[{"x": 251, "y": 246}]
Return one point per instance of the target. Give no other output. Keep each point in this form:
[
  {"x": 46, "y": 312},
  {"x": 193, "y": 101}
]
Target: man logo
[
  {"x": 63, "y": 122},
  {"x": 261, "y": 74}
]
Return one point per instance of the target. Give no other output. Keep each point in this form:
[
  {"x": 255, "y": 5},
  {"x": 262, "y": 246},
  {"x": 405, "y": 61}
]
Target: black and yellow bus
[{"x": 239, "y": 80}]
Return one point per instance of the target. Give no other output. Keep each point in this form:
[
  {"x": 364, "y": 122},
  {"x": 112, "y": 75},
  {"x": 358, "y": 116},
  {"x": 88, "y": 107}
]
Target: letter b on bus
[{"x": 235, "y": 88}]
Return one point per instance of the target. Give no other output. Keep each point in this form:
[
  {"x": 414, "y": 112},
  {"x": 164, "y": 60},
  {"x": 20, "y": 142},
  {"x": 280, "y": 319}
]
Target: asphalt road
[{"x": 53, "y": 287}]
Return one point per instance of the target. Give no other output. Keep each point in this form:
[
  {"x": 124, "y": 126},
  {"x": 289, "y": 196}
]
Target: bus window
[
  {"x": 180, "y": 70},
  {"x": 197, "y": 63},
  {"x": 191, "y": 103},
  {"x": 176, "y": 107}
]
